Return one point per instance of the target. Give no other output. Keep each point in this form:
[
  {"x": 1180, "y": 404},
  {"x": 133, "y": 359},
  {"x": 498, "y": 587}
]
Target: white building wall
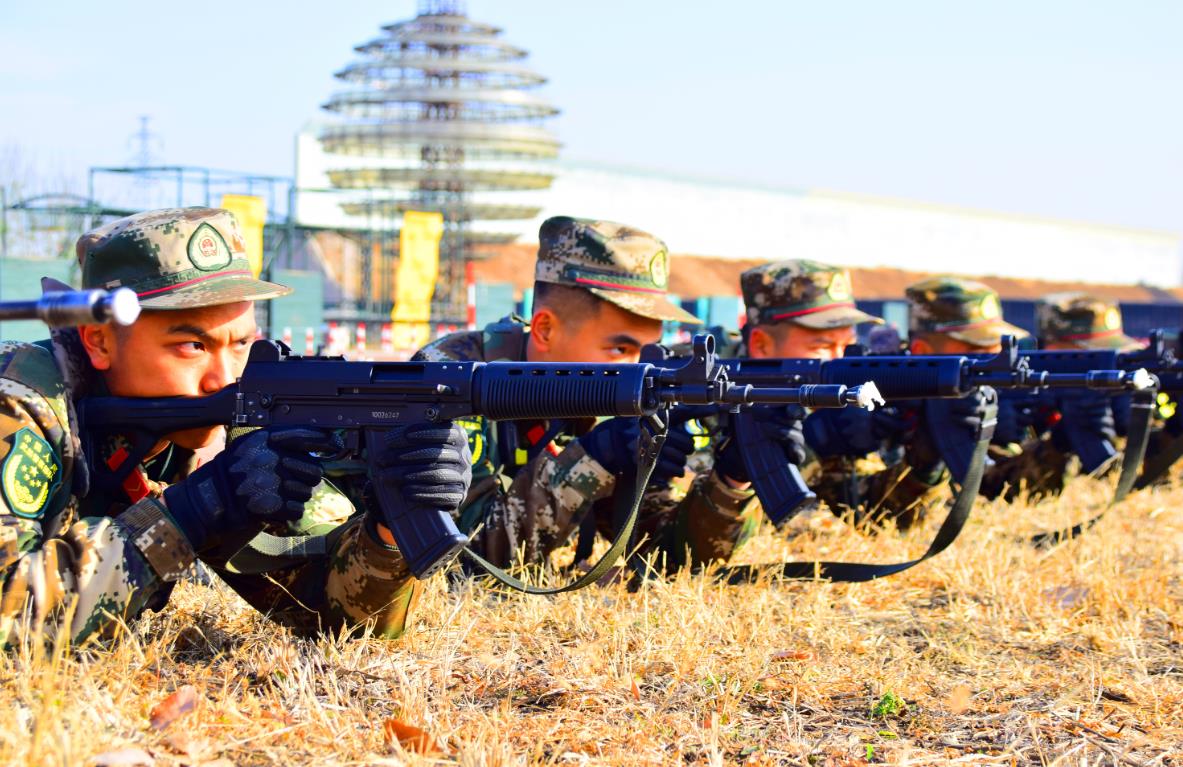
[{"x": 727, "y": 220}]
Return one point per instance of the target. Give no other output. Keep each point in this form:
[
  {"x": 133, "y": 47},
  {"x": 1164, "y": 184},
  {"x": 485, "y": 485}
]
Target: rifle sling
[
  {"x": 853, "y": 572},
  {"x": 1160, "y": 463},
  {"x": 1141, "y": 413},
  {"x": 266, "y": 552},
  {"x": 648, "y": 449}
]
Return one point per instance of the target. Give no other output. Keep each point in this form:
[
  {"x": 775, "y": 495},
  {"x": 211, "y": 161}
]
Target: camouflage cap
[
  {"x": 176, "y": 258},
  {"x": 962, "y": 309},
  {"x": 622, "y": 265},
  {"x": 1081, "y": 320},
  {"x": 806, "y": 293}
]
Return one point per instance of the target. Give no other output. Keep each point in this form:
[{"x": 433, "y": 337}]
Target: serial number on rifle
[{"x": 384, "y": 415}]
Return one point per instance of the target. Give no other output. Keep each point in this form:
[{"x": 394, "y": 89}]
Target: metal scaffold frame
[
  {"x": 114, "y": 192},
  {"x": 439, "y": 114}
]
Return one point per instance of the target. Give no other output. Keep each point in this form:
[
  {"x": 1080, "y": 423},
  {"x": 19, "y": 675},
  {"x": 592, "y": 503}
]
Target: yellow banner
[
  {"x": 418, "y": 269},
  {"x": 251, "y": 213}
]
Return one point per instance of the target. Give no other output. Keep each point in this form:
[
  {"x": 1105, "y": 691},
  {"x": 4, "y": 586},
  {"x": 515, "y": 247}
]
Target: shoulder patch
[{"x": 30, "y": 474}]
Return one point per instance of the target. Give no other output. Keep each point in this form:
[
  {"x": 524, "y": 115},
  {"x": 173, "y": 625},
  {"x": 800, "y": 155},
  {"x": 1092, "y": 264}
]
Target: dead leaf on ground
[
  {"x": 410, "y": 737},
  {"x": 125, "y": 757},
  {"x": 173, "y": 707},
  {"x": 959, "y": 699},
  {"x": 636, "y": 690},
  {"x": 770, "y": 683},
  {"x": 1067, "y": 597},
  {"x": 784, "y": 655},
  {"x": 279, "y": 715},
  {"x": 1111, "y": 693},
  {"x": 658, "y": 668}
]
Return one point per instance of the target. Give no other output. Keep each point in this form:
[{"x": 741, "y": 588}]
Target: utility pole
[{"x": 145, "y": 142}]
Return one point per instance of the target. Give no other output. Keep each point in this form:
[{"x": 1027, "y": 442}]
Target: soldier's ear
[
  {"x": 544, "y": 327},
  {"x": 761, "y": 344},
  {"x": 98, "y": 340}
]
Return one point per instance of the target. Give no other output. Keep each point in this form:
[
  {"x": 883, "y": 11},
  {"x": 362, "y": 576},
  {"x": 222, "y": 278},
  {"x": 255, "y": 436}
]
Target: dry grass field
[{"x": 993, "y": 653}]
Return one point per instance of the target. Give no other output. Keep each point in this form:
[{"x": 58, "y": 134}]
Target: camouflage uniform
[
  {"x": 971, "y": 312},
  {"x": 531, "y": 489},
  {"x": 819, "y": 296},
  {"x": 1077, "y": 320},
  {"x": 70, "y": 551}
]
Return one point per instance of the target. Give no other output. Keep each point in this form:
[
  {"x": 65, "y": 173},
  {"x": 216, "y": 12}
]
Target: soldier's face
[
  {"x": 938, "y": 343},
  {"x": 605, "y": 334},
  {"x": 788, "y": 341},
  {"x": 192, "y": 352}
]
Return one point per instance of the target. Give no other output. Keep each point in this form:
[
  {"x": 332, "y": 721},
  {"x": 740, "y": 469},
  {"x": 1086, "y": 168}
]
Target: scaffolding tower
[{"x": 440, "y": 115}]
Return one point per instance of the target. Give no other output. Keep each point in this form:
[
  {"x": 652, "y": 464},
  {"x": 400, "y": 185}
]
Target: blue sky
[{"x": 1062, "y": 109}]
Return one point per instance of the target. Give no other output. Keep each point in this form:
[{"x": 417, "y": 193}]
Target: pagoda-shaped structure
[{"x": 439, "y": 113}]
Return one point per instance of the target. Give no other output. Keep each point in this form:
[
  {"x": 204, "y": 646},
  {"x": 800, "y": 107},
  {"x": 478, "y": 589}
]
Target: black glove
[
  {"x": 671, "y": 462},
  {"x": 261, "y": 477},
  {"x": 779, "y": 423},
  {"x": 1122, "y": 407},
  {"x": 962, "y": 417},
  {"x": 850, "y": 431},
  {"x": 613, "y": 444},
  {"x": 1090, "y": 412},
  {"x": 422, "y": 466},
  {"x": 1009, "y": 429}
]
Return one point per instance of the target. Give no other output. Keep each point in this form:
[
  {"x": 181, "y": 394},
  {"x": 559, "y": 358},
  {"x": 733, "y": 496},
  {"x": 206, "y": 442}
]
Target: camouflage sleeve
[
  {"x": 543, "y": 506},
  {"x": 903, "y": 494},
  {"x": 705, "y": 525},
  {"x": 877, "y": 492},
  {"x": 83, "y": 577},
  {"x": 1038, "y": 469},
  {"x": 361, "y": 580}
]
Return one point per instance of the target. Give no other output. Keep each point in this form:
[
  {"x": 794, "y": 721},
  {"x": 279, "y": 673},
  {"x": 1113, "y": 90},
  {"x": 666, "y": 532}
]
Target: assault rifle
[
  {"x": 937, "y": 379},
  {"x": 366, "y": 399},
  {"x": 1125, "y": 372},
  {"x": 63, "y": 308},
  {"x": 903, "y": 377},
  {"x": 1165, "y": 364}
]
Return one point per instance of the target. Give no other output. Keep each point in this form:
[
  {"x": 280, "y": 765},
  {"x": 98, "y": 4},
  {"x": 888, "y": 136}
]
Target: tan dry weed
[{"x": 1000, "y": 654}]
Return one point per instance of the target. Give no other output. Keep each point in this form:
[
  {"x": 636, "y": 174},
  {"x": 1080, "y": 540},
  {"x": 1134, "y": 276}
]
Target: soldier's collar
[{"x": 505, "y": 340}]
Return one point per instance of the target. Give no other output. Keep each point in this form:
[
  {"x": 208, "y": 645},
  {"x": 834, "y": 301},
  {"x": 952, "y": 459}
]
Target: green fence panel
[
  {"x": 494, "y": 300},
  {"x": 301, "y": 309},
  {"x": 20, "y": 279}
]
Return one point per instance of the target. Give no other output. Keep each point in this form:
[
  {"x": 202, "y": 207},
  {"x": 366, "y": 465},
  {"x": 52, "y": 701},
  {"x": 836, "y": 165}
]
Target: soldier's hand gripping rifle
[
  {"x": 366, "y": 399},
  {"x": 897, "y": 378},
  {"x": 935, "y": 378},
  {"x": 939, "y": 380},
  {"x": 1108, "y": 372},
  {"x": 777, "y": 483},
  {"x": 64, "y": 308},
  {"x": 1165, "y": 364}
]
